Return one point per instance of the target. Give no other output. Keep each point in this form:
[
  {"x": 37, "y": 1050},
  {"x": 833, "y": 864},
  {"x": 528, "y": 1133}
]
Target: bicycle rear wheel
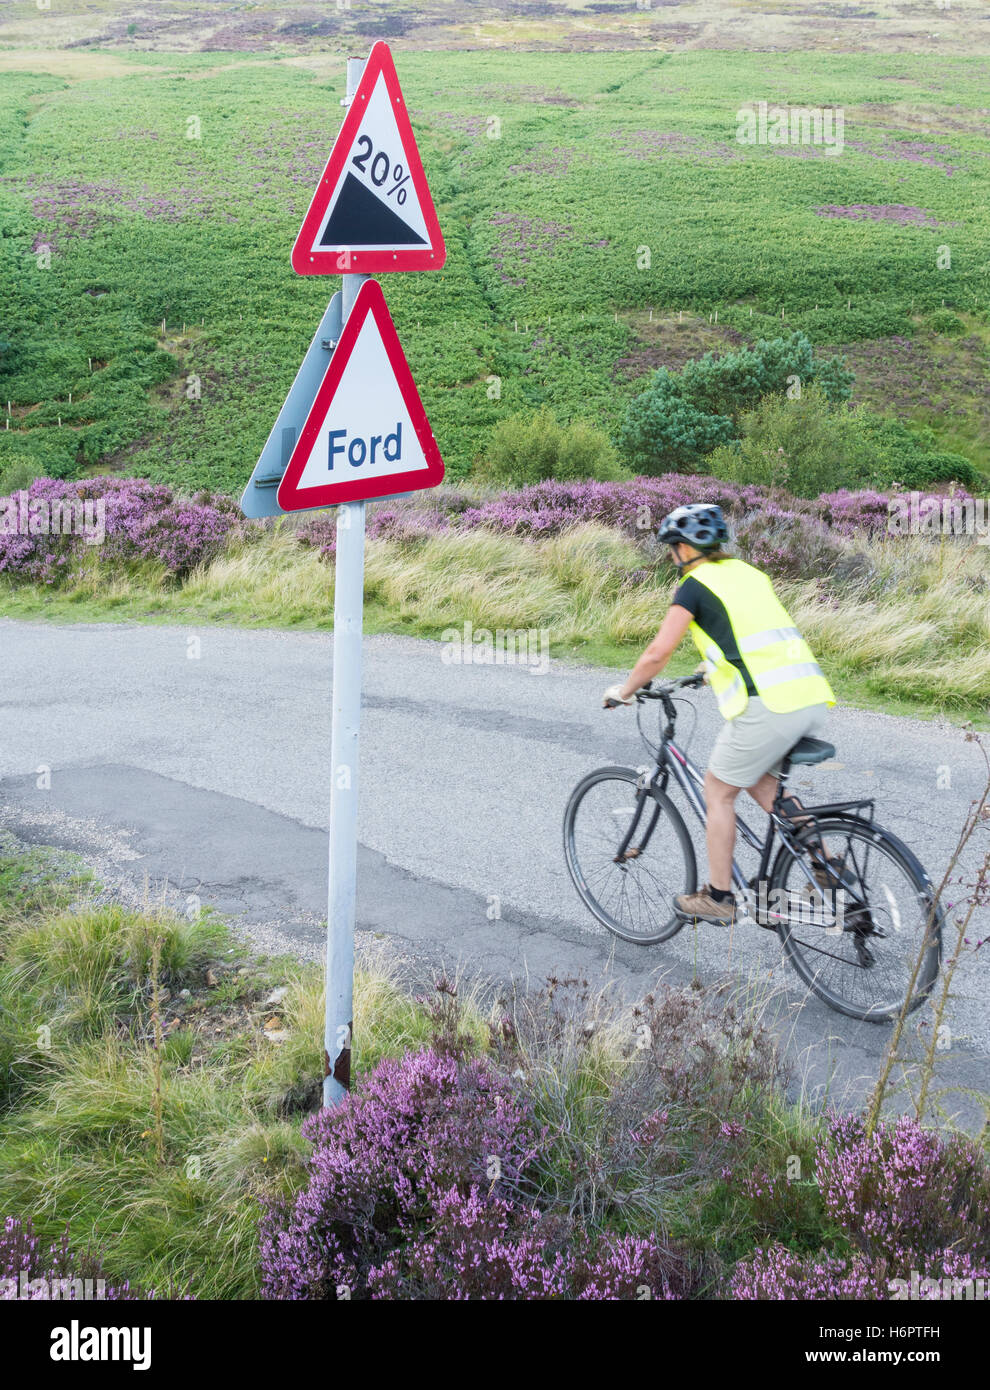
[
  {"x": 860, "y": 958},
  {"x": 632, "y": 897}
]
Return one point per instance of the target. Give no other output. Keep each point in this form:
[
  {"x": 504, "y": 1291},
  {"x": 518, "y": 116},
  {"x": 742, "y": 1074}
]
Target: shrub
[
  {"x": 24, "y": 1257},
  {"x": 419, "y": 1189},
  {"x": 637, "y": 1106},
  {"x": 736, "y": 381},
  {"x": 912, "y": 457},
  {"x": 661, "y": 431},
  {"x": 833, "y": 377},
  {"x": 477, "y": 1247},
  {"x": 851, "y": 512},
  {"x": 16, "y": 474},
  {"x": 804, "y": 444},
  {"x": 683, "y": 417},
  {"x": 384, "y": 1162},
  {"x": 905, "y": 1199},
  {"x": 945, "y": 323},
  {"x": 787, "y": 544},
  {"x": 528, "y": 449}
]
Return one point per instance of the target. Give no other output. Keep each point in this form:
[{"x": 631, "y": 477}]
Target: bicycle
[{"x": 848, "y": 922}]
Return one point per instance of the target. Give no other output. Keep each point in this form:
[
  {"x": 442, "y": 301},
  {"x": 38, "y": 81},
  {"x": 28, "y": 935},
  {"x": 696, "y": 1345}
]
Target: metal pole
[{"x": 348, "y": 609}]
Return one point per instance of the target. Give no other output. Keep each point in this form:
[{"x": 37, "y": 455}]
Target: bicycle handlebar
[
  {"x": 664, "y": 691},
  {"x": 683, "y": 683}
]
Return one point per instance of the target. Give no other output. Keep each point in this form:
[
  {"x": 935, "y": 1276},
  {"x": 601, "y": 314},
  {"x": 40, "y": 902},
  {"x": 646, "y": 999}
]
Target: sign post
[
  {"x": 351, "y": 429},
  {"x": 348, "y": 625}
]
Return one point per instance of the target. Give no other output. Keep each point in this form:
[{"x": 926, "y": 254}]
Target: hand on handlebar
[{"x": 613, "y": 696}]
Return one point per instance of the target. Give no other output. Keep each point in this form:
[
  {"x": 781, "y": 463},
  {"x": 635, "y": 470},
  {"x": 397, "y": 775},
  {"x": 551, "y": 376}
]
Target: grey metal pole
[{"x": 348, "y": 613}]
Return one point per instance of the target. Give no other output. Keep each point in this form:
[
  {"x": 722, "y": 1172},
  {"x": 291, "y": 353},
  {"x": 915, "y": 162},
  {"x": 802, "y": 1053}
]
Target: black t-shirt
[{"x": 709, "y": 612}]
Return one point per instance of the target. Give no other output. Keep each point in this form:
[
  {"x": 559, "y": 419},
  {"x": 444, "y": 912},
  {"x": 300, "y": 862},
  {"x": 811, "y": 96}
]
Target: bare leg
[
  {"x": 763, "y": 793},
  {"x": 720, "y": 830}
]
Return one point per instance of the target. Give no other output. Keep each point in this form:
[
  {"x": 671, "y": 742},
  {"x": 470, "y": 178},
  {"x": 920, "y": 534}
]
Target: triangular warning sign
[
  {"x": 372, "y": 209},
  {"x": 366, "y": 434}
]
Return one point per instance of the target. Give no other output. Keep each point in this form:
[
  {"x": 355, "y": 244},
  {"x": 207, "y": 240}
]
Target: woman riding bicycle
[{"x": 769, "y": 687}]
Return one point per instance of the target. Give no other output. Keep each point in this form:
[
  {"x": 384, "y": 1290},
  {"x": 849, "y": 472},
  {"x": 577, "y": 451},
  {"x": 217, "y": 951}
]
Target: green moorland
[{"x": 577, "y": 192}]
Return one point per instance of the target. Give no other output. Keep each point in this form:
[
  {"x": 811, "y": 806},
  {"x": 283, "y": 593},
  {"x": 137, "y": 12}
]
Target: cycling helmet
[{"x": 700, "y": 524}]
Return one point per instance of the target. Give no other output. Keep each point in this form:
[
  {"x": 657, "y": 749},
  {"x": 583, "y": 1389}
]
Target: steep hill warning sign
[{"x": 372, "y": 209}]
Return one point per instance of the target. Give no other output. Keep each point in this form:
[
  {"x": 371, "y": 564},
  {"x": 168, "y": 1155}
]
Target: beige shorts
[{"x": 756, "y": 741}]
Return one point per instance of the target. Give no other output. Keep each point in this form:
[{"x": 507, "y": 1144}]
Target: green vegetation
[
  {"x": 159, "y": 1084},
  {"x": 528, "y": 449},
  {"x": 549, "y": 284},
  {"x": 684, "y": 416},
  {"x": 809, "y": 446},
  {"x": 157, "y": 1128}
]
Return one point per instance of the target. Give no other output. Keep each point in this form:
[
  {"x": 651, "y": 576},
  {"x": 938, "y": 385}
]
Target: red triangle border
[
  {"x": 308, "y": 262},
  {"x": 370, "y": 300}
]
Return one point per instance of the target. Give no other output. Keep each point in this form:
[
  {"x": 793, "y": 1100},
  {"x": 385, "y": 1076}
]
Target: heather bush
[
  {"x": 483, "y": 1248},
  {"x": 421, "y": 1187},
  {"x": 904, "y": 1199},
  {"x": 851, "y": 513},
  {"x": 787, "y": 544},
  {"x": 638, "y": 1105},
  {"x": 636, "y": 507},
  {"x": 629, "y": 1267},
  {"x": 24, "y": 1258},
  {"x": 143, "y": 522},
  {"x": 384, "y": 1159},
  {"x": 477, "y": 1247},
  {"x": 905, "y": 1192}
]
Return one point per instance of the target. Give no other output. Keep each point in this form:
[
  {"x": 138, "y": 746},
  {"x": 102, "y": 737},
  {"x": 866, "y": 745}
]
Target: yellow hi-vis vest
[{"x": 780, "y": 662}]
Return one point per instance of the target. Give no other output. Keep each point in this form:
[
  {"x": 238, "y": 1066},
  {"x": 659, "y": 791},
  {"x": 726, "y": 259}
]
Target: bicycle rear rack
[{"x": 830, "y": 807}]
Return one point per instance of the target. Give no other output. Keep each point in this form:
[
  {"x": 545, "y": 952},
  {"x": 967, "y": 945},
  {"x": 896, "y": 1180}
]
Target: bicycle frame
[{"x": 673, "y": 762}]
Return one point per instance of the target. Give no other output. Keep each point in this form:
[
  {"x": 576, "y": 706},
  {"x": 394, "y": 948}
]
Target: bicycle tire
[
  {"x": 898, "y": 853},
  {"x": 663, "y": 806}
]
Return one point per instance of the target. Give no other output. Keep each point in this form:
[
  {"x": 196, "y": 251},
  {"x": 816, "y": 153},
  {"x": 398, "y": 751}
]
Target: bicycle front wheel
[
  {"x": 629, "y": 854},
  {"x": 878, "y": 934}
]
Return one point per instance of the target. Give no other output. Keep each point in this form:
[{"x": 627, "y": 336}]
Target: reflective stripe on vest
[
  {"x": 780, "y": 663},
  {"x": 763, "y": 639},
  {"x": 791, "y": 673},
  {"x": 731, "y": 693}
]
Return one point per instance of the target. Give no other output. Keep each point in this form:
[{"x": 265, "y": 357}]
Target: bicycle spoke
[
  {"x": 866, "y": 970},
  {"x": 633, "y": 896}
]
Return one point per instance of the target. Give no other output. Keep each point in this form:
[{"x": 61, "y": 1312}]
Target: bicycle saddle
[{"x": 811, "y": 750}]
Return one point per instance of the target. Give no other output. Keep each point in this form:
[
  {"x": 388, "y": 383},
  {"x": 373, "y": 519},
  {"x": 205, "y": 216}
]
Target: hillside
[{"x": 599, "y": 212}]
